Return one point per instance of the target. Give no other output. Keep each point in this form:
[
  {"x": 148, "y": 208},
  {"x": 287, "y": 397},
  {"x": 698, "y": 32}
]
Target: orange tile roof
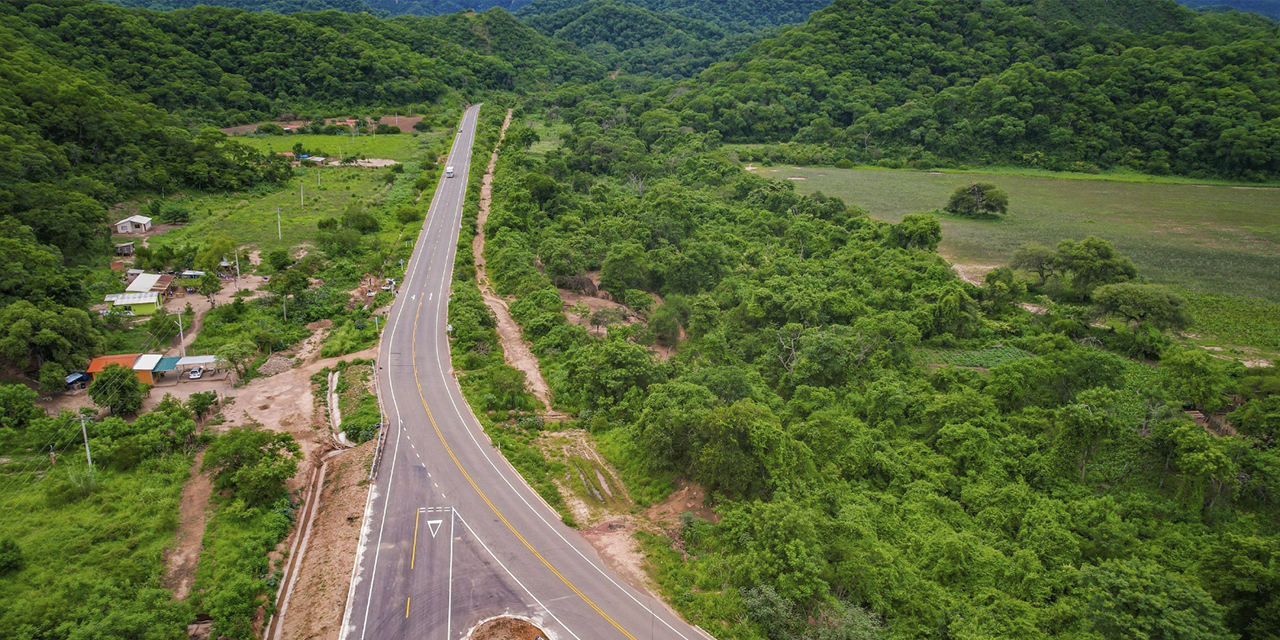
[{"x": 125, "y": 360}]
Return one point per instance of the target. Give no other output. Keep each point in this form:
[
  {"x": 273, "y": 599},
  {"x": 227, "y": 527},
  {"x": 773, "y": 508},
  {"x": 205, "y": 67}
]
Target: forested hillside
[
  {"x": 751, "y": 13},
  {"x": 1044, "y": 84},
  {"x": 185, "y": 61},
  {"x": 274, "y": 6},
  {"x": 1269, "y": 8},
  {"x": 627, "y": 37},
  {"x": 440, "y": 7},
  {"x": 101, "y": 102},
  {"x": 384, "y": 7}
]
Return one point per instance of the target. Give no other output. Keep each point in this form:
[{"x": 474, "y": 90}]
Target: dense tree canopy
[
  {"x": 1058, "y": 85},
  {"x": 1040, "y": 494}
]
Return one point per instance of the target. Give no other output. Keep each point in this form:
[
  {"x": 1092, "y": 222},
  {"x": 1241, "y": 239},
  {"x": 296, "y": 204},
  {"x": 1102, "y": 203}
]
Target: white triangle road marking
[{"x": 434, "y": 526}]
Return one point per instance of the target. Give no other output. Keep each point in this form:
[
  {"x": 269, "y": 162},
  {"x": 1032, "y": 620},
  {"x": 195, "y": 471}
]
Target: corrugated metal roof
[
  {"x": 144, "y": 282},
  {"x": 132, "y": 298},
  {"x": 194, "y": 360},
  {"x": 167, "y": 363},
  {"x": 125, "y": 360},
  {"x": 147, "y": 362}
]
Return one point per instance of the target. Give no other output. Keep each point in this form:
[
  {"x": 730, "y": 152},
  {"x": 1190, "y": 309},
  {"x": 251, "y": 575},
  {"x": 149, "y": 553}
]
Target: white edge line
[
  {"x": 485, "y": 452},
  {"x": 389, "y": 336},
  {"x": 448, "y": 633},
  {"x": 513, "y": 577}
]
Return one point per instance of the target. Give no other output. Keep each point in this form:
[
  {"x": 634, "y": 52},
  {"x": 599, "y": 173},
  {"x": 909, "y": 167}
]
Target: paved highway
[{"x": 452, "y": 535}]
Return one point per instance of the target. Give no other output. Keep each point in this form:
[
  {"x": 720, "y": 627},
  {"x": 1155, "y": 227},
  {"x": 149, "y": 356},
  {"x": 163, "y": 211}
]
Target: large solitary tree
[
  {"x": 118, "y": 389},
  {"x": 978, "y": 200},
  {"x": 1142, "y": 304}
]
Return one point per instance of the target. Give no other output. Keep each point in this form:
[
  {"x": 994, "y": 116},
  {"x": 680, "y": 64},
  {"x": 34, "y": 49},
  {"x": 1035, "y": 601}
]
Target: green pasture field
[
  {"x": 398, "y": 146},
  {"x": 250, "y": 218},
  {"x": 1223, "y": 240}
]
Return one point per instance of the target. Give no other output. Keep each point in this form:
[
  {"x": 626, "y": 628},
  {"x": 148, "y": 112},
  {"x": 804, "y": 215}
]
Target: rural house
[
  {"x": 151, "y": 283},
  {"x": 134, "y": 224},
  {"x": 137, "y": 304},
  {"x": 97, "y": 365}
]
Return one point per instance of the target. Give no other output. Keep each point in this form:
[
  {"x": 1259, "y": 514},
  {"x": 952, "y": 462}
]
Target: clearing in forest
[{"x": 1216, "y": 239}]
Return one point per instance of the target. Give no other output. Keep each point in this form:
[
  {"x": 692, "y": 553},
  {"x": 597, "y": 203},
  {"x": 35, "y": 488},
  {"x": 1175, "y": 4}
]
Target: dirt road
[{"x": 518, "y": 352}]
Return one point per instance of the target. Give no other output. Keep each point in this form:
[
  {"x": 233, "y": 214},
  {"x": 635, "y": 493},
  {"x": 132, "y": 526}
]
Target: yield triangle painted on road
[{"x": 434, "y": 526}]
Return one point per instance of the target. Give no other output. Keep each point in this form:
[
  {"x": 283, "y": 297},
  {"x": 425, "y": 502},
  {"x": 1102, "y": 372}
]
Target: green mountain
[
  {"x": 1268, "y": 8},
  {"x": 440, "y": 7},
  {"x": 742, "y": 14},
  {"x": 624, "y": 36},
  {"x": 273, "y": 6},
  {"x": 382, "y": 7},
  {"x": 228, "y": 66},
  {"x": 1045, "y": 83}
]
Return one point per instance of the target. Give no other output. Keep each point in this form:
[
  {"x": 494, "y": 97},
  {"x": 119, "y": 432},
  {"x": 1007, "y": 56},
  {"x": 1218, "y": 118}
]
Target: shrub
[{"x": 10, "y": 556}]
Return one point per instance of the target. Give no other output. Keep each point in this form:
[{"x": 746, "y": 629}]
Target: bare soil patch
[
  {"x": 616, "y": 543},
  {"x": 689, "y": 498},
  {"x": 507, "y": 628},
  {"x": 973, "y": 273},
  {"x": 571, "y": 299}
]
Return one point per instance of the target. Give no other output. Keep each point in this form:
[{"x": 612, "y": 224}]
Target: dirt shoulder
[
  {"x": 517, "y": 351},
  {"x": 320, "y": 591}
]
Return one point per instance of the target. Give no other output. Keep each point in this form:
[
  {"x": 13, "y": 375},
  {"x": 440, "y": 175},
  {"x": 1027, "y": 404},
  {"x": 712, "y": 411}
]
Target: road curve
[{"x": 452, "y": 535}]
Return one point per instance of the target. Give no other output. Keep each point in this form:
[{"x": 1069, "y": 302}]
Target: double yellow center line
[{"x": 417, "y": 381}]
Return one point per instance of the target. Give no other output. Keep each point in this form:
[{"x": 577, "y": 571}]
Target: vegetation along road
[{"x": 454, "y": 535}]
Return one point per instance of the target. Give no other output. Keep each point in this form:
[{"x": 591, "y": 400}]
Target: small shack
[
  {"x": 138, "y": 304},
  {"x": 166, "y": 364},
  {"x": 124, "y": 249},
  {"x": 97, "y": 365},
  {"x": 134, "y": 224},
  {"x": 76, "y": 381}
]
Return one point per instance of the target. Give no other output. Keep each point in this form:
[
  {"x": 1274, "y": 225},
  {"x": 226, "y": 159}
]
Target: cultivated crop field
[{"x": 1214, "y": 239}]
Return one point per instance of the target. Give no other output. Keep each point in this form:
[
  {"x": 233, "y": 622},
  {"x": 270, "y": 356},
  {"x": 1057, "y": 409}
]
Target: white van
[{"x": 448, "y": 172}]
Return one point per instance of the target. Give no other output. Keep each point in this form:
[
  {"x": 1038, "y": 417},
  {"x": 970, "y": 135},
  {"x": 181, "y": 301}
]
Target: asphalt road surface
[{"x": 452, "y": 535}]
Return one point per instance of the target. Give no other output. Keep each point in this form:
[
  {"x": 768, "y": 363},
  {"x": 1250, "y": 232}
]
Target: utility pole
[
  {"x": 302, "y": 199},
  {"x": 182, "y": 337},
  {"x": 237, "y": 269},
  {"x": 85, "y": 432},
  {"x": 278, "y": 234}
]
